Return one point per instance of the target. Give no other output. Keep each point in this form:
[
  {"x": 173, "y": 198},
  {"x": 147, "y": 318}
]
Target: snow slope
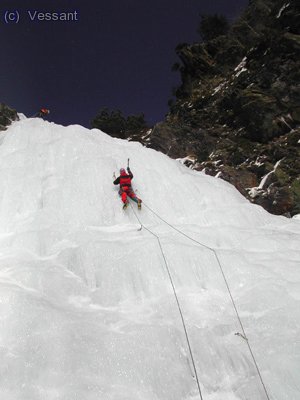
[{"x": 87, "y": 310}]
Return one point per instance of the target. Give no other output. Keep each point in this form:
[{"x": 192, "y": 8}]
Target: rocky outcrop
[
  {"x": 167, "y": 138},
  {"x": 267, "y": 174},
  {"x": 7, "y": 116}
]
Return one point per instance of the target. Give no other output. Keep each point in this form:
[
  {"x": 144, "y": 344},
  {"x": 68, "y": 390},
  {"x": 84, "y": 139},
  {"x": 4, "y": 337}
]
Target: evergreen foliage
[
  {"x": 240, "y": 88},
  {"x": 116, "y": 124}
]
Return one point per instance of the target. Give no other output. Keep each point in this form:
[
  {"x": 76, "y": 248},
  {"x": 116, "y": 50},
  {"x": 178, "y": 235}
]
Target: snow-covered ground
[{"x": 87, "y": 310}]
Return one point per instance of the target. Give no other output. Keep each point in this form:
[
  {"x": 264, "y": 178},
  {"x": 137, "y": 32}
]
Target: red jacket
[{"x": 124, "y": 179}]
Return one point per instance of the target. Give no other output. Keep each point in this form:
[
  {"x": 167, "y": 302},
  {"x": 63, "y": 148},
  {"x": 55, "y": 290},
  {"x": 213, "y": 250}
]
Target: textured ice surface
[{"x": 86, "y": 306}]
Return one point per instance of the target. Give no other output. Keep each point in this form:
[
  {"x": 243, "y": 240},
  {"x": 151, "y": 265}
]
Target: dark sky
[{"x": 118, "y": 54}]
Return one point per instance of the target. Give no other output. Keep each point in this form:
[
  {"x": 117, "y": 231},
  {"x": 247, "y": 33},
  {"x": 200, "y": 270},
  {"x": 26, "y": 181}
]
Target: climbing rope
[
  {"x": 227, "y": 286},
  {"x": 177, "y": 300}
]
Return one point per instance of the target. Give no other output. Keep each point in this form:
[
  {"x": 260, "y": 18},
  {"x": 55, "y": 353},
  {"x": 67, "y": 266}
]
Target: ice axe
[{"x": 128, "y": 163}]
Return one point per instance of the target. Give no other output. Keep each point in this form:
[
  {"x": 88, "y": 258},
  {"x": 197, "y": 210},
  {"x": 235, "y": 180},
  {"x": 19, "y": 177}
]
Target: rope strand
[
  {"x": 228, "y": 289},
  {"x": 177, "y": 301}
]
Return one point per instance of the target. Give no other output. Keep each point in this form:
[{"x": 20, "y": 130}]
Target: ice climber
[
  {"x": 43, "y": 113},
  {"x": 124, "y": 180}
]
